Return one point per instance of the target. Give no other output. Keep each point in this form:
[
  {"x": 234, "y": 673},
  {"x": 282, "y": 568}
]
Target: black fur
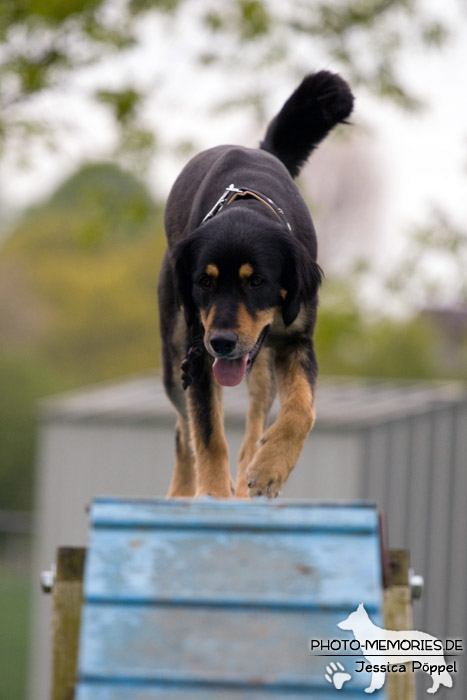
[
  {"x": 320, "y": 102},
  {"x": 246, "y": 231}
]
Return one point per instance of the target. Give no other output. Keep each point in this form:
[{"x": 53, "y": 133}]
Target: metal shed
[{"x": 401, "y": 444}]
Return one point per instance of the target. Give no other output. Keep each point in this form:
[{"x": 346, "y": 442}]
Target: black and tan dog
[{"x": 238, "y": 297}]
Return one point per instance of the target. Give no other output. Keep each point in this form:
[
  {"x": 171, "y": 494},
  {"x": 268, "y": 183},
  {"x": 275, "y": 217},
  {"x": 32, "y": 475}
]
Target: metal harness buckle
[{"x": 221, "y": 201}]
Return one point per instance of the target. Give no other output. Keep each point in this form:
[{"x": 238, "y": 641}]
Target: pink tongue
[{"x": 230, "y": 372}]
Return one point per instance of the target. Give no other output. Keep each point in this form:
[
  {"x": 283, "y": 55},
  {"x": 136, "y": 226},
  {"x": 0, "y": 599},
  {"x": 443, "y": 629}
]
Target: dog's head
[{"x": 235, "y": 272}]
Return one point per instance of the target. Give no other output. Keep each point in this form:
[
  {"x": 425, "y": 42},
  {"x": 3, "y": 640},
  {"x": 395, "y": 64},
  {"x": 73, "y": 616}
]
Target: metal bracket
[
  {"x": 416, "y": 583},
  {"x": 47, "y": 579}
]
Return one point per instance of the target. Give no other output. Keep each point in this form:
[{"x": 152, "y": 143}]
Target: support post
[
  {"x": 66, "y": 616},
  {"x": 398, "y": 616}
]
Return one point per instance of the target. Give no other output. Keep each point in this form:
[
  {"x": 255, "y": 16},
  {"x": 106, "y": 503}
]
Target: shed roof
[{"x": 340, "y": 401}]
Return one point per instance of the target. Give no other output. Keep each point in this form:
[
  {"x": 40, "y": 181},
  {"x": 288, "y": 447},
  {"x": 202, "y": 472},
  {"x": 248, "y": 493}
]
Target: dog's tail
[{"x": 320, "y": 102}]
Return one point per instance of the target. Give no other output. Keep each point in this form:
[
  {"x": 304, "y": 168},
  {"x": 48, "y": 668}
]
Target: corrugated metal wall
[
  {"x": 403, "y": 445},
  {"x": 416, "y": 468}
]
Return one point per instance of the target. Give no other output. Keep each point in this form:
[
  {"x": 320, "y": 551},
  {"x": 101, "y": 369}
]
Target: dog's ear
[
  {"x": 182, "y": 262},
  {"x": 301, "y": 278}
]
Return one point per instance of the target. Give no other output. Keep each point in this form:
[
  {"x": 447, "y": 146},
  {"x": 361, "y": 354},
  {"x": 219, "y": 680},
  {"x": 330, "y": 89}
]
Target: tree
[
  {"x": 433, "y": 267},
  {"x": 86, "y": 263},
  {"x": 46, "y": 44},
  {"x": 81, "y": 270}
]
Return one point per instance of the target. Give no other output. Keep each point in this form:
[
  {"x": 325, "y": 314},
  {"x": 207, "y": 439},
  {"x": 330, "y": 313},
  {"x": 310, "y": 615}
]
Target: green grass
[{"x": 15, "y": 591}]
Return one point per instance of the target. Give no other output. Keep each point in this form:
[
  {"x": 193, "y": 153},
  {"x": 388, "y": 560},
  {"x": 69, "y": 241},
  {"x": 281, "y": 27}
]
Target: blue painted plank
[
  {"x": 304, "y": 568},
  {"x": 228, "y": 514},
  {"x": 124, "y": 691},
  {"x": 207, "y": 646},
  {"x": 219, "y": 599}
]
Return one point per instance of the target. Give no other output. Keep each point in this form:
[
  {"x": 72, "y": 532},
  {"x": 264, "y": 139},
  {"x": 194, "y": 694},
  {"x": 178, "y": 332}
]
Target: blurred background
[{"x": 101, "y": 104}]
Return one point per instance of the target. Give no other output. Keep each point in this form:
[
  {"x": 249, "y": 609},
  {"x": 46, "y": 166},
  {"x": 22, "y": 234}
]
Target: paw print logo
[{"x": 337, "y": 675}]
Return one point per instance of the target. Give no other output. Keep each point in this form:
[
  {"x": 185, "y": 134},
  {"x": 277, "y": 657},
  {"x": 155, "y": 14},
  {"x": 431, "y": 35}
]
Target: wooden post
[
  {"x": 398, "y": 616},
  {"x": 66, "y": 616}
]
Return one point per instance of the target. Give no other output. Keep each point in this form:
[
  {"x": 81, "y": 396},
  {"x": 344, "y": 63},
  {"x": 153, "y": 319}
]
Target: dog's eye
[
  {"x": 205, "y": 282},
  {"x": 256, "y": 281}
]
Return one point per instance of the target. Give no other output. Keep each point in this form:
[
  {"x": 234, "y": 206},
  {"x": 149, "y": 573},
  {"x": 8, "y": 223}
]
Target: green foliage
[
  {"x": 141, "y": 6},
  {"x": 105, "y": 310},
  {"x": 91, "y": 255},
  {"x": 42, "y": 42},
  {"x": 364, "y": 39},
  {"x": 15, "y": 595},
  {"x": 23, "y": 380},
  {"x": 82, "y": 269},
  {"x": 46, "y": 41},
  {"x": 109, "y": 184},
  {"x": 352, "y": 341},
  {"x": 244, "y": 19},
  {"x": 439, "y": 244},
  {"x": 50, "y": 11},
  {"x": 98, "y": 207},
  {"x": 123, "y": 102}
]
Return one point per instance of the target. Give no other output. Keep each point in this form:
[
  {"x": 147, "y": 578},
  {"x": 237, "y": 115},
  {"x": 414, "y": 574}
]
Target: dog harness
[{"x": 231, "y": 193}]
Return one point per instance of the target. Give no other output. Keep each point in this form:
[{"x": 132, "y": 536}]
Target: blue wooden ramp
[{"x": 219, "y": 600}]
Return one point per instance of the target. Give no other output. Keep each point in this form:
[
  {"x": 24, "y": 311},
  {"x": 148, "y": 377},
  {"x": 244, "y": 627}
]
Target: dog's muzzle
[
  {"x": 223, "y": 343},
  {"x": 229, "y": 368}
]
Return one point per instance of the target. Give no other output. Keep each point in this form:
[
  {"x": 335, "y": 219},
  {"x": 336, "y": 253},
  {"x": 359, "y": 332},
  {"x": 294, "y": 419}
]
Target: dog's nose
[{"x": 223, "y": 342}]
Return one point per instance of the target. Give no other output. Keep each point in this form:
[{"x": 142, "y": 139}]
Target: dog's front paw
[
  {"x": 263, "y": 479},
  {"x": 191, "y": 365},
  {"x": 186, "y": 374},
  {"x": 264, "y": 485},
  {"x": 270, "y": 467}
]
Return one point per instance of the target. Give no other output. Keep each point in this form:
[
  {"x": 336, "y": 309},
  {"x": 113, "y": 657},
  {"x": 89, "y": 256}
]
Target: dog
[
  {"x": 367, "y": 633},
  {"x": 238, "y": 294}
]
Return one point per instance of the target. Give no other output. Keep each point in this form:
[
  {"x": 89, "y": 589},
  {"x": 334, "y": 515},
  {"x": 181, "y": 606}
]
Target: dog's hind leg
[
  {"x": 261, "y": 390},
  {"x": 173, "y": 335},
  {"x": 184, "y": 477}
]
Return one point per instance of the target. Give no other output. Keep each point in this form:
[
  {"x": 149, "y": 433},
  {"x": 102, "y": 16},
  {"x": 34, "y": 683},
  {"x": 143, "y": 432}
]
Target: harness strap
[{"x": 235, "y": 192}]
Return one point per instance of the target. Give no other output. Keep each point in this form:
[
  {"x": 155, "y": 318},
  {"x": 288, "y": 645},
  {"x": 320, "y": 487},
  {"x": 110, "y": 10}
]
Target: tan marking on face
[
  {"x": 249, "y": 327},
  {"x": 207, "y": 318},
  {"x": 212, "y": 270},
  {"x": 245, "y": 271},
  {"x": 283, "y": 293}
]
